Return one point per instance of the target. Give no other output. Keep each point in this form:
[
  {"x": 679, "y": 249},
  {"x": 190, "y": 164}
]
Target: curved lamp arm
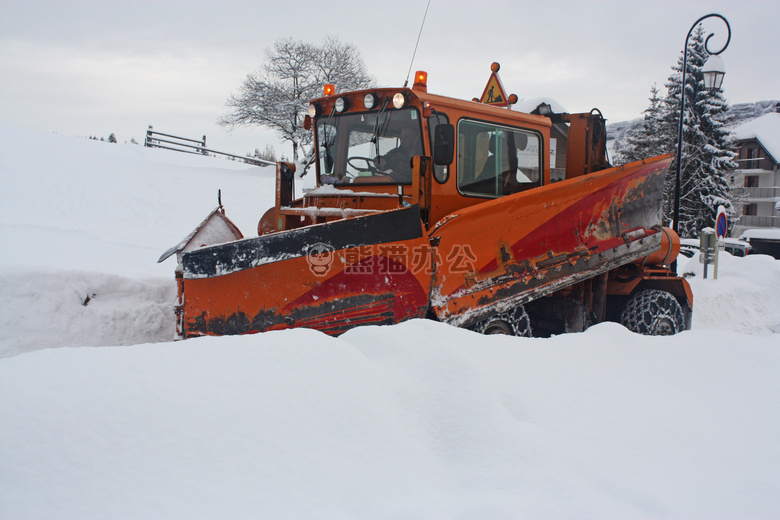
[{"x": 676, "y": 223}]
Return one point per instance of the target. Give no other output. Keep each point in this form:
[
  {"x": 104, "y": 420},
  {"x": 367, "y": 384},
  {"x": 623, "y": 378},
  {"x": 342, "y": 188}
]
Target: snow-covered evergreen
[
  {"x": 707, "y": 154},
  {"x": 649, "y": 139}
]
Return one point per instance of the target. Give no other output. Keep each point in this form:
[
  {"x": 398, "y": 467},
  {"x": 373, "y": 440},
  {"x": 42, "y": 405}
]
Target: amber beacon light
[{"x": 420, "y": 81}]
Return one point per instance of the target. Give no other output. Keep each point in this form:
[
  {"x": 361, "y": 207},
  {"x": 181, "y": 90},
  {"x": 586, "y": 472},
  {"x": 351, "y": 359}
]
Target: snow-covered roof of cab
[{"x": 529, "y": 105}]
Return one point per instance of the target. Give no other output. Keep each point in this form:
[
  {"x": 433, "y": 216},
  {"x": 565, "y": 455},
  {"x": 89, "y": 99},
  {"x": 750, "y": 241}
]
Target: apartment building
[{"x": 756, "y": 183}]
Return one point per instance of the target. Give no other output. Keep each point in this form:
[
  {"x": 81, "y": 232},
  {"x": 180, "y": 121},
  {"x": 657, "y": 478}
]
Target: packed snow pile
[
  {"x": 416, "y": 420},
  {"x": 83, "y": 225},
  {"x": 744, "y": 298}
]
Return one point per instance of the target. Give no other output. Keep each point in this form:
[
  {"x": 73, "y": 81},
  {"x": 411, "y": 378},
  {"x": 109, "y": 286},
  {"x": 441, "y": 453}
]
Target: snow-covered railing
[
  {"x": 770, "y": 194},
  {"x": 755, "y": 163},
  {"x": 183, "y": 144},
  {"x": 759, "y": 221}
]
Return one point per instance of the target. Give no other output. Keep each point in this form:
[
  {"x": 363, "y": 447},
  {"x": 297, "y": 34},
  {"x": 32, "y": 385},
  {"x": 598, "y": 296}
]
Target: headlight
[
  {"x": 399, "y": 100},
  {"x": 315, "y": 110},
  {"x": 370, "y": 100},
  {"x": 341, "y": 104}
]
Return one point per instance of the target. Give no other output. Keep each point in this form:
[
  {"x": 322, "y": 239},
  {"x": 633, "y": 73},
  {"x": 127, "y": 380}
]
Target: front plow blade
[{"x": 373, "y": 269}]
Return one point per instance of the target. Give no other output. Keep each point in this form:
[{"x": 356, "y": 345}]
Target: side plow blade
[{"x": 504, "y": 253}]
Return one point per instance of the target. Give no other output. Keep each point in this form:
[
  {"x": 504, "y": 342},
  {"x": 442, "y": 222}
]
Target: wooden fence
[{"x": 183, "y": 144}]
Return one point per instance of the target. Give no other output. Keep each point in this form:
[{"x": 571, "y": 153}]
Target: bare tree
[{"x": 294, "y": 72}]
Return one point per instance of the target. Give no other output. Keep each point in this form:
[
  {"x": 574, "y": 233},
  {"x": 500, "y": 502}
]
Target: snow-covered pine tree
[
  {"x": 707, "y": 157},
  {"x": 654, "y": 137}
]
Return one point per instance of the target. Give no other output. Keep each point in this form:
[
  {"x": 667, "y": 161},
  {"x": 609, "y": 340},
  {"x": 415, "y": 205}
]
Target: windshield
[{"x": 368, "y": 147}]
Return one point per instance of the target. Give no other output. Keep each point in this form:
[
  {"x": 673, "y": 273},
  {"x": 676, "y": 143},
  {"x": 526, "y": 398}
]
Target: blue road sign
[{"x": 721, "y": 225}]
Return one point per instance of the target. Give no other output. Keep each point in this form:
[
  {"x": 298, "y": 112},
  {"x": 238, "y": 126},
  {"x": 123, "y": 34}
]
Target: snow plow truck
[{"x": 466, "y": 212}]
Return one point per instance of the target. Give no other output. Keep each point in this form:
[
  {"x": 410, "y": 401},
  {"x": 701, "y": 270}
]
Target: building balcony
[
  {"x": 771, "y": 194},
  {"x": 757, "y": 221},
  {"x": 755, "y": 166},
  {"x": 754, "y": 170}
]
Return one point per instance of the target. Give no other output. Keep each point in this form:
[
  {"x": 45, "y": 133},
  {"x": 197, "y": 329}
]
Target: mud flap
[
  {"x": 374, "y": 269},
  {"x": 503, "y": 253}
]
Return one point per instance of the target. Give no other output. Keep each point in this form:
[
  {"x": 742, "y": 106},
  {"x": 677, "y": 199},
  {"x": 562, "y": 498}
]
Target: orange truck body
[{"x": 444, "y": 242}]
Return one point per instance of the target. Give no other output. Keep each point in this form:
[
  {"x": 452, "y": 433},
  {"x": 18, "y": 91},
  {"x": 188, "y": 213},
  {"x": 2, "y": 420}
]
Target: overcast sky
[{"x": 93, "y": 67}]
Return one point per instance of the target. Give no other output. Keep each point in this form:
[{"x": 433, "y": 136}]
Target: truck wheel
[
  {"x": 514, "y": 322},
  {"x": 654, "y": 313}
]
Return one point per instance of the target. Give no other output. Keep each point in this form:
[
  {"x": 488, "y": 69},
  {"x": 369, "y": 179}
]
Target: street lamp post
[{"x": 713, "y": 71}]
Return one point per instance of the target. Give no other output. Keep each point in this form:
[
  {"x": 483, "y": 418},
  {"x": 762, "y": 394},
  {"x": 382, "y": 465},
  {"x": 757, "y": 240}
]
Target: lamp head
[{"x": 713, "y": 71}]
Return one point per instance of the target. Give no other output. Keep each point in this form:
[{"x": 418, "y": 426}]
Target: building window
[
  {"x": 752, "y": 156},
  {"x": 751, "y": 181},
  {"x": 750, "y": 209}
]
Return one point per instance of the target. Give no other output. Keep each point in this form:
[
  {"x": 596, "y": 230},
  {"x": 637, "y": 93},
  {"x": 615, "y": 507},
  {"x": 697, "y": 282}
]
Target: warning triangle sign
[{"x": 494, "y": 93}]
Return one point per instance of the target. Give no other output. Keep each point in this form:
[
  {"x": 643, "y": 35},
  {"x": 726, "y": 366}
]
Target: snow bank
[
  {"x": 416, "y": 420},
  {"x": 44, "y": 309},
  {"x": 84, "y": 218},
  {"x": 744, "y": 298}
]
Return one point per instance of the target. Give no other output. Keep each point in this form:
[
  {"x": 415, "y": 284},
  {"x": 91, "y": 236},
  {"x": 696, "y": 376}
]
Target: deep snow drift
[{"x": 417, "y": 420}]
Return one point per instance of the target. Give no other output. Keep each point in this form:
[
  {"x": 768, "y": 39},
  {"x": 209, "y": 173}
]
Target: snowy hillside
[
  {"x": 737, "y": 114},
  {"x": 416, "y": 420}
]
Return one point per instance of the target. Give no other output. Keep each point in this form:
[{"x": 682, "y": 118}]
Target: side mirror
[
  {"x": 328, "y": 162},
  {"x": 443, "y": 145}
]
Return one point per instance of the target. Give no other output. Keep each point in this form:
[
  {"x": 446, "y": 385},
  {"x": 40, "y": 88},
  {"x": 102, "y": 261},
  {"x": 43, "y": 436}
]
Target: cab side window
[{"x": 494, "y": 161}]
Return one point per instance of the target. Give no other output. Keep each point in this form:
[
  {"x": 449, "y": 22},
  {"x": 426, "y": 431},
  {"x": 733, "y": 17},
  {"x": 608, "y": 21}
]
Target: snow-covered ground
[{"x": 417, "y": 420}]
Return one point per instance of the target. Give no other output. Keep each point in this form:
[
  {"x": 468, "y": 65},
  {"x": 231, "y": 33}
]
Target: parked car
[
  {"x": 733, "y": 246},
  {"x": 737, "y": 247}
]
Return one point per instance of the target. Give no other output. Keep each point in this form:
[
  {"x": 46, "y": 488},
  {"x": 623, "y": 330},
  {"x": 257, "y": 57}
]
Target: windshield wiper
[
  {"x": 327, "y": 141},
  {"x": 376, "y": 124}
]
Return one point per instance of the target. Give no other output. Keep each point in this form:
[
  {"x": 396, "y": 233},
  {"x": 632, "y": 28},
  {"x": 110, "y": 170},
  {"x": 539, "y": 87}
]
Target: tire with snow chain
[
  {"x": 654, "y": 313},
  {"x": 514, "y": 322}
]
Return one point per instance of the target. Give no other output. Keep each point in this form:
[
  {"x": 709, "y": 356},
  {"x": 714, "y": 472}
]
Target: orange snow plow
[{"x": 432, "y": 207}]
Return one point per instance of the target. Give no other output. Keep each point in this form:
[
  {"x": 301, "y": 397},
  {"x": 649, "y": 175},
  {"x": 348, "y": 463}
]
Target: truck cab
[{"x": 365, "y": 142}]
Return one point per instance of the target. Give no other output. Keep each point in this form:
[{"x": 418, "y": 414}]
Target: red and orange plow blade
[
  {"x": 511, "y": 250},
  {"x": 374, "y": 269}
]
